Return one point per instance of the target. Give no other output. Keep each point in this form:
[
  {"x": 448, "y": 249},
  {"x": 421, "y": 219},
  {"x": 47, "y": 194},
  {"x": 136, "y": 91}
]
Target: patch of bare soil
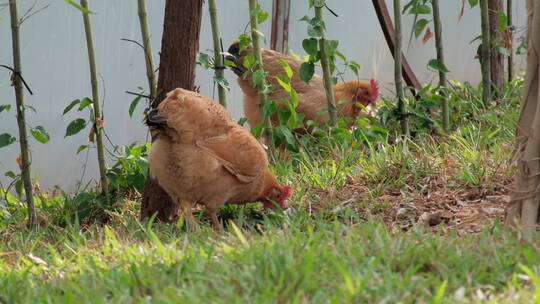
[{"x": 439, "y": 203}]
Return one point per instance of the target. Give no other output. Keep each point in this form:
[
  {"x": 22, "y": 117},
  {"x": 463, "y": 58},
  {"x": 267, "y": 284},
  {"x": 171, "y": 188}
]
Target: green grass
[{"x": 300, "y": 260}]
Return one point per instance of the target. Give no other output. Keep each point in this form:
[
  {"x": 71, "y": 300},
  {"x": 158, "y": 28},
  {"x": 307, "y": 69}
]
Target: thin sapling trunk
[
  {"x": 509, "y": 16},
  {"x": 397, "y": 69},
  {"x": 495, "y": 7},
  {"x": 148, "y": 57},
  {"x": 327, "y": 76},
  {"x": 98, "y": 119},
  {"x": 21, "y": 120},
  {"x": 258, "y": 58},
  {"x": 440, "y": 57},
  {"x": 485, "y": 55},
  {"x": 218, "y": 58}
]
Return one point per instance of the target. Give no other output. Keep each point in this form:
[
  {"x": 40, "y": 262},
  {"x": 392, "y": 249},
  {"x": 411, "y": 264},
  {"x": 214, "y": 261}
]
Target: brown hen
[
  {"x": 312, "y": 97},
  {"x": 202, "y": 156}
]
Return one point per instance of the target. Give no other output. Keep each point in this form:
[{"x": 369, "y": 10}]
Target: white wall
[{"x": 55, "y": 66}]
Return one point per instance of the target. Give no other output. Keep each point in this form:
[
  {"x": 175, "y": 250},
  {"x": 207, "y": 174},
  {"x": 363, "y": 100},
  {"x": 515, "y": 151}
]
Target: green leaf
[
  {"x": 285, "y": 65},
  {"x": 289, "y": 137},
  {"x": 419, "y": 27},
  {"x": 311, "y": 46},
  {"x": 133, "y": 105},
  {"x": 330, "y": 47},
  {"x": 245, "y": 41},
  {"x": 436, "y": 65},
  {"x": 262, "y": 16},
  {"x": 314, "y": 32},
  {"x": 81, "y": 148},
  {"x": 503, "y": 21},
  {"x": 5, "y": 108},
  {"x": 242, "y": 121},
  {"x": 30, "y": 107},
  {"x": 222, "y": 82},
  {"x": 229, "y": 63},
  {"x": 421, "y": 9},
  {"x": 439, "y": 294},
  {"x": 6, "y": 140},
  {"x": 40, "y": 134},
  {"x": 307, "y": 69},
  {"x": 249, "y": 61},
  {"x": 70, "y": 106},
  {"x": 319, "y": 3},
  {"x": 205, "y": 61},
  {"x": 355, "y": 67},
  {"x": 269, "y": 108},
  {"x": 79, "y": 7},
  {"x": 257, "y": 130},
  {"x": 258, "y": 77},
  {"x": 10, "y": 174},
  {"x": 19, "y": 187},
  {"x": 306, "y": 18},
  {"x": 284, "y": 82},
  {"x": 473, "y": 3},
  {"x": 75, "y": 127},
  {"x": 85, "y": 103}
]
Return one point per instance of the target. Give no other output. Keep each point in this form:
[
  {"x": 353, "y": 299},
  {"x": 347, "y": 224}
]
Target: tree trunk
[
  {"x": 485, "y": 54},
  {"x": 21, "y": 120},
  {"x": 526, "y": 198},
  {"x": 495, "y": 36},
  {"x": 179, "y": 48},
  {"x": 397, "y": 69}
]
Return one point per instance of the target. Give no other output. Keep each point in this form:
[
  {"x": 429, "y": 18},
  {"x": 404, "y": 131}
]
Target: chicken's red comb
[
  {"x": 287, "y": 191},
  {"x": 374, "y": 89}
]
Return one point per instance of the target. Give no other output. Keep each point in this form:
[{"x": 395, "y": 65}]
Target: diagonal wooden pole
[{"x": 389, "y": 34}]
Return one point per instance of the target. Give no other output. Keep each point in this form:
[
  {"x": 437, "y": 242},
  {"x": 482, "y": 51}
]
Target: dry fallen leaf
[
  {"x": 91, "y": 135},
  {"x": 19, "y": 161},
  {"x": 429, "y": 219},
  {"x": 462, "y": 10},
  {"x": 507, "y": 39},
  {"x": 12, "y": 79},
  {"x": 427, "y": 35},
  {"x": 100, "y": 123}
]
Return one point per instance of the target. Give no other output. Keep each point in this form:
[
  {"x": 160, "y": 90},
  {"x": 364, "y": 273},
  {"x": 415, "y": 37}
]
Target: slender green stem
[
  {"x": 327, "y": 76},
  {"x": 397, "y": 69},
  {"x": 218, "y": 58},
  {"x": 440, "y": 57},
  {"x": 21, "y": 119},
  {"x": 510, "y": 17},
  {"x": 98, "y": 118},
  {"x": 148, "y": 57},
  {"x": 264, "y": 98},
  {"x": 485, "y": 56}
]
